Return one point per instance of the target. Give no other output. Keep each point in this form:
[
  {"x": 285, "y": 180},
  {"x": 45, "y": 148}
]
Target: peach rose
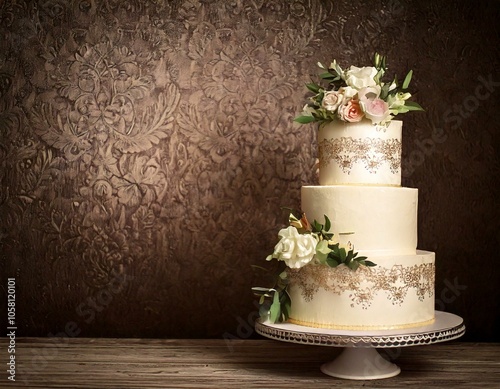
[{"x": 351, "y": 111}]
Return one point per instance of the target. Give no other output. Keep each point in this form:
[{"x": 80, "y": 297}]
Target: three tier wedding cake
[{"x": 356, "y": 265}]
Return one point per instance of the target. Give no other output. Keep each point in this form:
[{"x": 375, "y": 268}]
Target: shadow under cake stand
[{"x": 360, "y": 359}]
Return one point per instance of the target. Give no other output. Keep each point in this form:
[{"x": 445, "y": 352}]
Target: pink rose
[
  {"x": 351, "y": 111},
  {"x": 376, "y": 110}
]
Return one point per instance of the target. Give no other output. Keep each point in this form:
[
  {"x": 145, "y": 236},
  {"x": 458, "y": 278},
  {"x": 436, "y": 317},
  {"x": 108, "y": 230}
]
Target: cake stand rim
[{"x": 447, "y": 326}]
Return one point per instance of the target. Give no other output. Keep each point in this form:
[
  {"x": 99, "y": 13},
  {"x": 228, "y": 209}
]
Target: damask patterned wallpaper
[{"x": 147, "y": 147}]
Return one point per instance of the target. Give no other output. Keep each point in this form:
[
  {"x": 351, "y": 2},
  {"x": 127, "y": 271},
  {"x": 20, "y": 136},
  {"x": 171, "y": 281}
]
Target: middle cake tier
[{"x": 376, "y": 220}]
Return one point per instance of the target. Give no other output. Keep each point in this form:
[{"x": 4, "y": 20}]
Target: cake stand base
[
  {"x": 360, "y": 364},
  {"x": 360, "y": 359}
]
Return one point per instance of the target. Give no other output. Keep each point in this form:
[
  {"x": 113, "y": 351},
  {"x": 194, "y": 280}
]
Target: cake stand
[{"x": 360, "y": 359}]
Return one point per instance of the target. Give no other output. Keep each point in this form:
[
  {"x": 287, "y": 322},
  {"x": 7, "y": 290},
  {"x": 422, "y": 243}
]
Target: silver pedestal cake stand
[{"x": 360, "y": 359}]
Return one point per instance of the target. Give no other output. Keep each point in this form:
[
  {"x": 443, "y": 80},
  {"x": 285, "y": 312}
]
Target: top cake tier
[{"x": 360, "y": 153}]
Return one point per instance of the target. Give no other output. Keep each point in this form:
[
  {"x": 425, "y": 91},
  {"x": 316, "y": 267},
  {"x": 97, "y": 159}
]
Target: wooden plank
[{"x": 154, "y": 363}]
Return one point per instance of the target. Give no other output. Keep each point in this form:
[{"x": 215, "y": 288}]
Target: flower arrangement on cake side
[
  {"x": 302, "y": 244},
  {"x": 357, "y": 93}
]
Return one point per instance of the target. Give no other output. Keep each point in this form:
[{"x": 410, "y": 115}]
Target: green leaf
[
  {"x": 413, "y": 106},
  {"x": 407, "y": 80},
  {"x": 317, "y": 227},
  {"x": 328, "y": 235},
  {"x": 332, "y": 262},
  {"x": 400, "y": 109},
  {"x": 335, "y": 251},
  {"x": 286, "y": 304},
  {"x": 275, "y": 310},
  {"x": 328, "y": 224},
  {"x": 327, "y": 76},
  {"x": 370, "y": 263},
  {"x": 304, "y": 119},
  {"x": 353, "y": 265},
  {"x": 322, "y": 251},
  {"x": 342, "y": 254},
  {"x": 384, "y": 92},
  {"x": 313, "y": 87}
]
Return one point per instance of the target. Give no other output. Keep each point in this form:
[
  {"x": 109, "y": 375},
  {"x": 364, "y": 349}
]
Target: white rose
[
  {"x": 347, "y": 92},
  {"x": 361, "y": 77},
  {"x": 297, "y": 250},
  {"x": 332, "y": 100}
]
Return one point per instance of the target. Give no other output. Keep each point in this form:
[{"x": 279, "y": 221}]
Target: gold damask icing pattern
[
  {"x": 364, "y": 284},
  {"x": 371, "y": 152}
]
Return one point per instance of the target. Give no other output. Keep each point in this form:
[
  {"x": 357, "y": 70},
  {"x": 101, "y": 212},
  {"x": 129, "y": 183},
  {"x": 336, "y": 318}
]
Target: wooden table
[{"x": 153, "y": 363}]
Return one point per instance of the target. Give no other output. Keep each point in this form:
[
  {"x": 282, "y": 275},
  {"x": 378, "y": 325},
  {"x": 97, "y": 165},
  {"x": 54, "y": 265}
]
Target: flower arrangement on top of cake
[{"x": 356, "y": 94}]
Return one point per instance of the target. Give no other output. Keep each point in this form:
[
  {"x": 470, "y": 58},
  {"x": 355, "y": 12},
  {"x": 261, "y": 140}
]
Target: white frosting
[
  {"x": 397, "y": 293},
  {"x": 383, "y": 220},
  {"x": 360, "y": 153},
  {"x": 360, "y": 192}
]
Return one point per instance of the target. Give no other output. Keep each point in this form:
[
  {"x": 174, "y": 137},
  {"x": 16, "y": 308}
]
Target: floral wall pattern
[{"x": 147, "y": 147}]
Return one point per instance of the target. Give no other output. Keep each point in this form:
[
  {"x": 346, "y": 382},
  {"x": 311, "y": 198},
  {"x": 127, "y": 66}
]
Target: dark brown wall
[{"x": 146, "y": 147}]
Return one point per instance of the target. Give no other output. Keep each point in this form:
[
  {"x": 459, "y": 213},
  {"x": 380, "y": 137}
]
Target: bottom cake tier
[{"x": 397, "y": 293}]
